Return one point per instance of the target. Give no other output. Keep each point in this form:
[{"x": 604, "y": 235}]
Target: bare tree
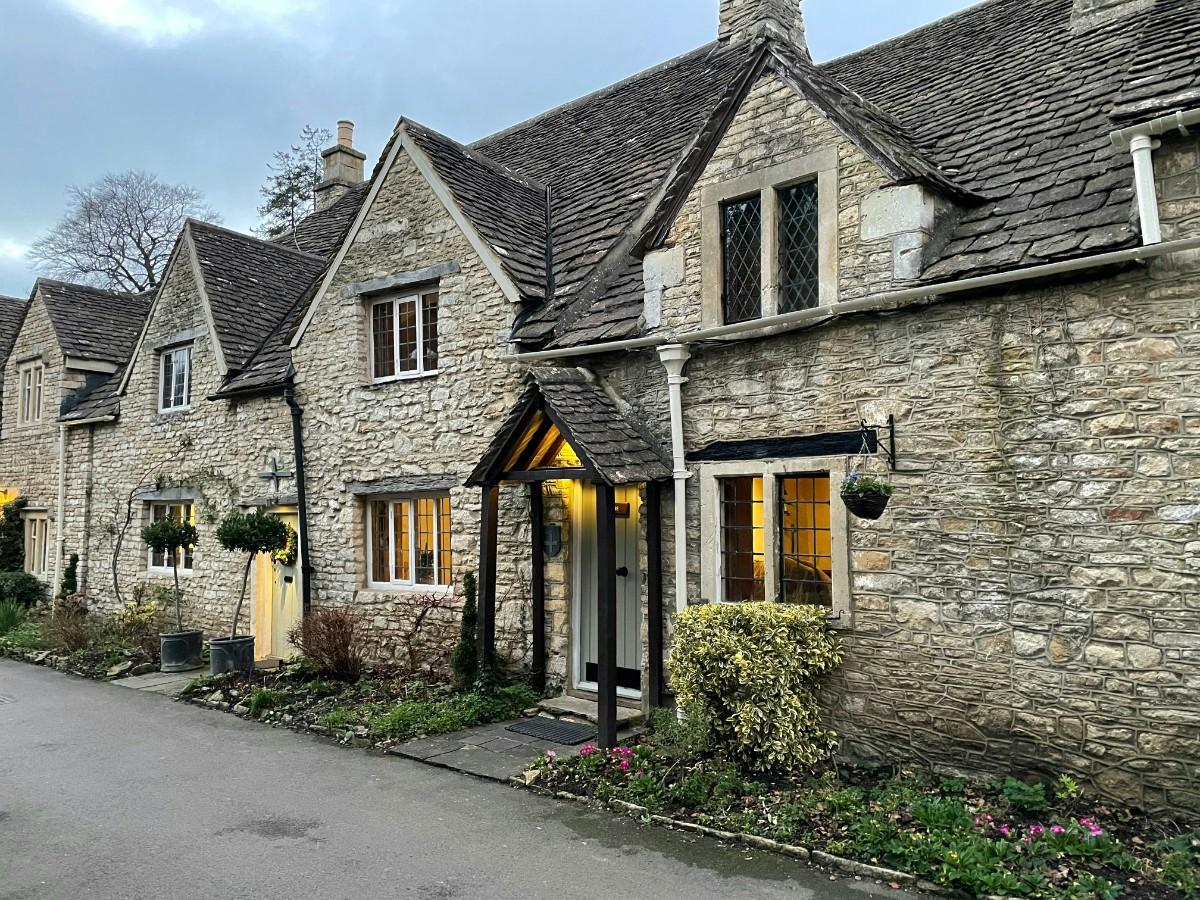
[
  {"x": 118, "y": 232},
  {"x": 289, "y": 189}
]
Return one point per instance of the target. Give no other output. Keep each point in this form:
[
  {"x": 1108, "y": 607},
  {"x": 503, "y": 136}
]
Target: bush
[
  {"x": 749, "y": 671},
  {"x": 70, "y": 578},
  {"x": 22, "y": 588},
  {"x": 68, "y": 627},
  {"x": 329, "y": 636},
  {"x": 465, "y": 661},
  {"x": 12, "y": 536},
  {"x": 11, "y": 615}
]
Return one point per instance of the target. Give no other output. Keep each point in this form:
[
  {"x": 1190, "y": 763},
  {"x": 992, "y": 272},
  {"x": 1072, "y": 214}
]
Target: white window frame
[
  {"x": 31, "y": 399},
  {"x": 822, "y": 167},
  {"x": 184, "y": 568},
  {"x": 770, "y": 471},
  {"x": 37, "y": 543},
  {"x": 396, "y": 300},
  {"x": 410, "y": 583},
  {"x": 172, "y": 354}
]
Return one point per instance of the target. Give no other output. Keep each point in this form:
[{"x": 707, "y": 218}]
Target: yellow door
[{"x": 277, "y": 604}]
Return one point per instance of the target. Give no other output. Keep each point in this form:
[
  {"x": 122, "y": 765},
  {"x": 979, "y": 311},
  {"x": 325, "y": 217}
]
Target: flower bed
[
  {"x": 92, "y": 647},
  {"x": 1007, "y": 837},
  {"x": 381, "y": 708}
]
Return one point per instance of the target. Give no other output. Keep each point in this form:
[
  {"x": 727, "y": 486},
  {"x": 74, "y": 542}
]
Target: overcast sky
[{"x": 203, "y": 91}]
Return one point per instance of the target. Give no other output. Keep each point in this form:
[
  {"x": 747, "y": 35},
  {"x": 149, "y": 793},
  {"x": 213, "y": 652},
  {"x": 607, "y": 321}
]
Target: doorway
[{"x": 277, "y": 605}]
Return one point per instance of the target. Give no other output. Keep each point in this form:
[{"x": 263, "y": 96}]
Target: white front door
[{"x": 629, "y": 607}]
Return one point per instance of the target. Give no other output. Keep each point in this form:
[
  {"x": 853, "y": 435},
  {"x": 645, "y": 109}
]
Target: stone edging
[
  {"x": 47, "y": 659},
  {"x": 347, "y": 738},
  {"x": 817, "y": 857}
]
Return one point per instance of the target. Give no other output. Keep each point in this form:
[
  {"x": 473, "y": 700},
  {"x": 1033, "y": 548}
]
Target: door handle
[{"x": 623, "y": 571}]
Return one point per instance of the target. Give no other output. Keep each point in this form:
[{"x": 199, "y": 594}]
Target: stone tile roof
[
  {"x": 509, "y": 211},
  {"x": 101, "y": 401},
  {"x": 321, "y": 233},
  {"x": 12, "y": 314},
  {"x": 1017, "y": 106},
  {"x": 603, "y": 436},
  {"x": 605, "y": 156},
  {"x": 93, "y": 323},
  {"x": 251, "y": 285},
  {"x": 1003, "y": 106},
  {"x": 1164, "y": 76}
]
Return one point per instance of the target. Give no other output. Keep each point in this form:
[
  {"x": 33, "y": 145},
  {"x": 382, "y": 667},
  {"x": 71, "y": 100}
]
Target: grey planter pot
[
  {"x": 234, "y": 654},
  {"x": 180, "y": 651}
]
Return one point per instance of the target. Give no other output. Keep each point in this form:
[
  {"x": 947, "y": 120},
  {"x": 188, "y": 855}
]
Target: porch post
[
  {"x": 486, "y": 643},
  {"x": 654, "y": 606},
  {"x": 538, "y": 588},
  {"x": 606, "y": 613}
]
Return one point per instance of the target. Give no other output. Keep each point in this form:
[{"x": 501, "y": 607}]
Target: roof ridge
[
  {"x": 91, "y": 288},
  {"x": 249, "y": 237},
  {"x": 939, "y": 22},
  {"x": 593, "y": 95},
  {"x": 478, "y": 156}
]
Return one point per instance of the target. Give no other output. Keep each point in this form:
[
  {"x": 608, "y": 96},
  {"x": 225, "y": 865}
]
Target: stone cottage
[{"x": 619, "y": 358}]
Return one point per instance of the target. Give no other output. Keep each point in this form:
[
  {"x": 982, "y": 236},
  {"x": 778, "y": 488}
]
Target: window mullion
[
  {"x": 419, "y": 318},
  {"x": 770, "y": 252},
  {"x": 396, "y": 337}
]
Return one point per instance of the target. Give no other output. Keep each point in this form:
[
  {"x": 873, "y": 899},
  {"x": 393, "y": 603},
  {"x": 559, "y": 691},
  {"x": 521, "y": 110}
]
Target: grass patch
[
  {"x": 12, "y": 614},
  {"x": 262, "y": 700},
  {"x": 421, "y": 717},
  {"x": 27, "y": 635}
]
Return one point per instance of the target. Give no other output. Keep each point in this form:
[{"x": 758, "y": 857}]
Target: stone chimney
[
  {"x": 743, "y": 20},
  {"x": 343, "y": 166},
  {"x": 1087, "y": 14}
]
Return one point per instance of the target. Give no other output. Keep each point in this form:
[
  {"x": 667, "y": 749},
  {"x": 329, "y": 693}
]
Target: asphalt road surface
[{"x": 107, "y": 793}]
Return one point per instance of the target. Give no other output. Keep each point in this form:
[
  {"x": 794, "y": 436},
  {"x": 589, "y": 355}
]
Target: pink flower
[
  {"x": 624, "y": 765},
  {"x": 1036, "y": 830},
  {"x": 1057, "y": 829},
  {"x": 587, "y": 749},
  {"x": 550, "y": 754},
  {"x": 1004, "y": 830}
]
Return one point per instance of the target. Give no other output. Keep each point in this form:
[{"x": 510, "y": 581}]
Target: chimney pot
[{"x": 343, "y": 166}]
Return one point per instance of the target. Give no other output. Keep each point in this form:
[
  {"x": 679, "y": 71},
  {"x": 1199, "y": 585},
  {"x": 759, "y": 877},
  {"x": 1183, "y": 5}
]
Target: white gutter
[
  {"x": 918, "y": 296},
  {"x": 589, "y": 349},
  {"x": 59, "y": 537},
  {"x": 675, "y": 357},
  {"x": 1141, "y": 143}
]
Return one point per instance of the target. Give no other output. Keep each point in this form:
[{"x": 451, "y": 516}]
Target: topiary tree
[
  {"x": 170, "y": 538},
  {"x": 70, "y": 578},
  {"x": 465, "y": 661},
  {"x": 252, "y": 534}
]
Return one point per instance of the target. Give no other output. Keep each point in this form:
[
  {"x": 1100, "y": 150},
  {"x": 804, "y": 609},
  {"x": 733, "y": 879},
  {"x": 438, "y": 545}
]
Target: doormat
[{"x": 556, "y": 731}]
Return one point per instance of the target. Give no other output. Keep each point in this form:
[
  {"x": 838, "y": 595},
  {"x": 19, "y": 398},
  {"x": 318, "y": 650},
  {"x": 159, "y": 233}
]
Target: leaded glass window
[
  {"x": 408, "y": 541},
  {"x": 799, "y": 266},
  {"x": 404, "y": 339},
  {"x": 805, "y": 540},
  {"x": 741, "y": 247},
  {"x": 743, "y": 548}
]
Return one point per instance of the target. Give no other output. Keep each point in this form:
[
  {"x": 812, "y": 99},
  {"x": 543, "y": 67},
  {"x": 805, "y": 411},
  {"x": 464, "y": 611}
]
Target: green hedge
[
  {"x": 748, "y": 672},
  {"x": 21, "y": 588}
]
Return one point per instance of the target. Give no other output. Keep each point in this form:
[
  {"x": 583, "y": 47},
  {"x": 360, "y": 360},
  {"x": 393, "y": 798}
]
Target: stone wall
[
  {"x": 437, "y": 425},
  {"x": 29, "y": 453},
  {"x": 212, "y": 451}
]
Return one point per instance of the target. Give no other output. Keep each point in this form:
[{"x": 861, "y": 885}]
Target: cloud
[
  {"x": 12, "y": 250},
  {"x": 173, "y": 21}
]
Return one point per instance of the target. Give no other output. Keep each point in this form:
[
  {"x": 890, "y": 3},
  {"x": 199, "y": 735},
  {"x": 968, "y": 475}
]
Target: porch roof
[{"x": 610, "y": 448}]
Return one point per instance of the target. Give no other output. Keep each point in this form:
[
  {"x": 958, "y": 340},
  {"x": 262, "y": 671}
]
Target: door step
[{"x": 566, "y": 707}]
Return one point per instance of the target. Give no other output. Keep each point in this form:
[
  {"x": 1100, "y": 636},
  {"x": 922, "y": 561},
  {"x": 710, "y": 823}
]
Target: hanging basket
[{"x": 866, "y": 506}]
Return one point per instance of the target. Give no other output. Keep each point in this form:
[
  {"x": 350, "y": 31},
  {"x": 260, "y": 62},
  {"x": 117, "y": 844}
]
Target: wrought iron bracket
[{"x": 888, "y": 449}]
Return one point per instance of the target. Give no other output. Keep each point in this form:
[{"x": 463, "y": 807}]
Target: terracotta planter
[{"x": 866, "y": 506}]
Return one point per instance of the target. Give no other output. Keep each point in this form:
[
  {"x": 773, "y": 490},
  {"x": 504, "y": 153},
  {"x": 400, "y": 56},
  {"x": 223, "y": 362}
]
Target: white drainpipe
[
  {"x": 1142, "y": 146},
  {"x": 59, "y": 536},
  {"x": 1141, "y": 143},
  {"x": 675, "y": 357}
]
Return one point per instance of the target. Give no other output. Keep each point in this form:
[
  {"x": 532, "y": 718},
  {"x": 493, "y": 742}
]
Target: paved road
[{"x": 111, "y": 793}]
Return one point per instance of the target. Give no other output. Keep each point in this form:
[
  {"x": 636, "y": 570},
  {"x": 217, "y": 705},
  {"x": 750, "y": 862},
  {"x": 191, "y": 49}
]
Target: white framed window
[
  {"x": 37, "y": 543},
  {"x": 31, "y": 399},
  {"x": 779, "y": 532},
  {"x": 408, "y": 541},
  {"x": 175, "y": 382},
  {"x": 180, "y": 511},
  {"x": 770, "y": 241},
  {"x": 404, "y": 336}
]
